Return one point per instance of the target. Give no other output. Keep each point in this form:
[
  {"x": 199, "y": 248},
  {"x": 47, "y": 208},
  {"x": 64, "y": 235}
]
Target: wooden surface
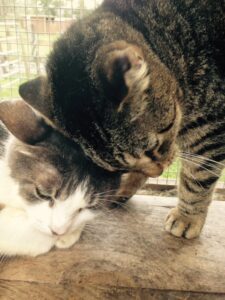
[{"x": 126, "y": 254}]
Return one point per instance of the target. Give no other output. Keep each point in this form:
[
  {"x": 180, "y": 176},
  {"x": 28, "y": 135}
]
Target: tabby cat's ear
[
  {"x": 37, "y": 93},
  {"x": 22, "y": 121},
  {"x": 124, "y": 73}
]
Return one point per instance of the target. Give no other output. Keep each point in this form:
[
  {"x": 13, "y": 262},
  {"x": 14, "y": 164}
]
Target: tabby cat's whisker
[
  {"x": 204, "y": 158},
  {"x": 122, "y": 205},
  {"x": 195, "y": 180},
  {"x": 197, "y": 164},
  {"x": 201, "y": 161}
]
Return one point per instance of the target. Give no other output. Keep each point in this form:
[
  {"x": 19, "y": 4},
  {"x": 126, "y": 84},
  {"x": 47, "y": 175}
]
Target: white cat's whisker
[{"x": 105, "y": 193}]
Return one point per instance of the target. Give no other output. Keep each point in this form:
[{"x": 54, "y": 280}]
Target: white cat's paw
[
  {"x": 182, "y": 226},
  {"x": 66, "y": 241}
]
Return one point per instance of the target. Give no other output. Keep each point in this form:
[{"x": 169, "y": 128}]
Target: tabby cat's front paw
[
  {"x": 66, "y": 241},
  {"x": 184, "y": 226}
]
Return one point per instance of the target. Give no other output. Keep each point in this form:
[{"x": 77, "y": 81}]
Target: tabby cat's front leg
[
  {"x": 130, "y": 183},
  {"x": 195, "y": 194}
]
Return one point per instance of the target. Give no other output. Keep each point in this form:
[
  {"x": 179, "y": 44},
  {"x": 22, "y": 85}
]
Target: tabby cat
[
  {"x": 136, "y": 80},
  {"x": 48, "y": 189}
]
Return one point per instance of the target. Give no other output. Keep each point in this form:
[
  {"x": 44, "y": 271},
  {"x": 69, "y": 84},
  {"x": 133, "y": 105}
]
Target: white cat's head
[{"x": 57, "y": 185}]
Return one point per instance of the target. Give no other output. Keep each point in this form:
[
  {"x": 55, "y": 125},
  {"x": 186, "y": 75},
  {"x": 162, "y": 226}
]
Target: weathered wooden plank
[
  {"x": 129, "y": 250},
  {"x": 27, "y": 291}
]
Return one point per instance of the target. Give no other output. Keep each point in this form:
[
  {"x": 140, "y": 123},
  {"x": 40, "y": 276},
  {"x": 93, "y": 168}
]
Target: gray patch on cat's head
[
  {"x": 55, "y": 168},
  {"x": 46, "y": 164}
]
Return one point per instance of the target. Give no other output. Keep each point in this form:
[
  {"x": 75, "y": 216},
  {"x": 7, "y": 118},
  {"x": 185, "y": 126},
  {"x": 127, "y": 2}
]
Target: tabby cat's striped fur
[{"x": 93, "y": 81}]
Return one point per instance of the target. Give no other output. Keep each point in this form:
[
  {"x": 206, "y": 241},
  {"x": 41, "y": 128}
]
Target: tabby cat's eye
[
  {"x": 41, "y": 195},
  {"x": 171, "y": 124},
  {"x": 167, "y": 128}
]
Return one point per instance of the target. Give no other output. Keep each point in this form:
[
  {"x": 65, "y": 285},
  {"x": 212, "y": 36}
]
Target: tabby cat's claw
[{"x": 182, "y": 226}]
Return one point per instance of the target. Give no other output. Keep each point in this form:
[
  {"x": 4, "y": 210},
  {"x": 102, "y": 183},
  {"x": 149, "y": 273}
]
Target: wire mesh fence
[{"x": 28, "y": 29}]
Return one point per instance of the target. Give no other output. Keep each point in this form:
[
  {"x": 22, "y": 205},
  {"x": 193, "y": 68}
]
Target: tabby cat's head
[
  {"x": 55, "y": 183},
  {"x": 107, "y": 91}
]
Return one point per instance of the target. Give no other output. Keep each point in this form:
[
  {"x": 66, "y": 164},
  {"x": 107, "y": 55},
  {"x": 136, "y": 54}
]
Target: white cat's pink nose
[{"x": 58, "y": 230}]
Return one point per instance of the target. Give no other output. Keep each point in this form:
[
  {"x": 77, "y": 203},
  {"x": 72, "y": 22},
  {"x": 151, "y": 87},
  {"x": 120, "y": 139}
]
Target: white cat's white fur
[{"x": 26, "y": 229}]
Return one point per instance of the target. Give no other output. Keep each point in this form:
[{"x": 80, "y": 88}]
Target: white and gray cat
[{"x": 48, "y": 189}]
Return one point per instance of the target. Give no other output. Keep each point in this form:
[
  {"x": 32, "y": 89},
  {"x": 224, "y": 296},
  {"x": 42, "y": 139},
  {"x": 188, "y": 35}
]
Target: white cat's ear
[
  {"x": 22, "y": 121},
  {"x": 124, "y": 72},
  {"x": 37, "y": 93}
]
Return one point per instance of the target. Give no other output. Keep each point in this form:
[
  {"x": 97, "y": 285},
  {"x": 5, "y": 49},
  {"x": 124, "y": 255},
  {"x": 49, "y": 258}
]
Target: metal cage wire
[{"x": 28, "y": 29}]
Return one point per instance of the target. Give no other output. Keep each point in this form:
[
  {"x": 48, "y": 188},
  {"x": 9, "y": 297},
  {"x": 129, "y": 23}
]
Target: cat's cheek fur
[
  {"x": 9, "y": 188},
  {"x": 39, "y": 215},
  {"x": 19, "y": 237}
]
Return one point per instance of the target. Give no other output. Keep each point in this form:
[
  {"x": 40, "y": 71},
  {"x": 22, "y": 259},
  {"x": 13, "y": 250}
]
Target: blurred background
[{"x": 28, "y": 28}]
